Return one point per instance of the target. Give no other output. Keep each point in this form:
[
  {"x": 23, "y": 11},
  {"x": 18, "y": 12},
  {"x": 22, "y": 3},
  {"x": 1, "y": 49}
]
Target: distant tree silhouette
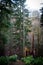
[{"x": 41, "y": 20}]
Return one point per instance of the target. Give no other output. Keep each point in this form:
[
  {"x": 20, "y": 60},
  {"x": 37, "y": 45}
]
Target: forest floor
[{"x": 18, "y": 62}]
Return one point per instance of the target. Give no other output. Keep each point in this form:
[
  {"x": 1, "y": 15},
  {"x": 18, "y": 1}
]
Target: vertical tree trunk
[
  {"x": 1, "y": 48},
  {"x": 38, "y": 42},
  {"x": 32, "y": 43}
]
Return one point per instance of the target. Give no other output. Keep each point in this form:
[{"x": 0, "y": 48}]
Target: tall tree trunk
[
  {"x": 2, "y": 53},
  {"x": 32, "y": 43}
]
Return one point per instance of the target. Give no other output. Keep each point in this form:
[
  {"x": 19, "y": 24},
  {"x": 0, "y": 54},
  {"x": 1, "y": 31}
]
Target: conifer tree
[
  {"x": 5, "y": 14},
  {"x": 21, "y": 25},
  {"x": 41, "y": 20}
]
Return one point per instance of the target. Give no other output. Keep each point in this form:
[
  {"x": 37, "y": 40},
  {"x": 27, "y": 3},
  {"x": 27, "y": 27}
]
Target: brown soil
[{"x": 18, "y": 62}]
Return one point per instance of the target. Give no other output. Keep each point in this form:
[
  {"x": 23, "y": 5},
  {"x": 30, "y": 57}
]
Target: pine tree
[
  {"x": 5, "y": 14},
  {"x": 41, "y": 20},
  {"x": 21, "y": 25}
]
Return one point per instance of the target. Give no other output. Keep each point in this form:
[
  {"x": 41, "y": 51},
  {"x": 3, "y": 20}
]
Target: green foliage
[
  {"x": 6, "y": 10},
  {"x": 27, "y": 60},
  {"x": 13, "y": 58},
  {"x": 22, "y": 22},
  {"x": 17, "y": 9},
  {"x": 4, "y": 60},
  {"x": 38, "y": 61},
  {"x": 32, "y": 61}
]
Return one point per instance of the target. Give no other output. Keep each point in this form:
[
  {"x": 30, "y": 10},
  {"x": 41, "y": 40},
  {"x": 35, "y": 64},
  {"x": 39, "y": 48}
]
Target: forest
[{"x": 21, "y": 36}]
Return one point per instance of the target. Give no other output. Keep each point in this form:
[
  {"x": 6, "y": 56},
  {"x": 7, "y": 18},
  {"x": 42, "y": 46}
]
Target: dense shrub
[
  {"x": 27, "y": 60},
  {"x": 13, "y": 58},
  {"x": 4, "y": 60},
  {"x": 32, "y": 61},
  {"x": 38, "y": 61}
]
